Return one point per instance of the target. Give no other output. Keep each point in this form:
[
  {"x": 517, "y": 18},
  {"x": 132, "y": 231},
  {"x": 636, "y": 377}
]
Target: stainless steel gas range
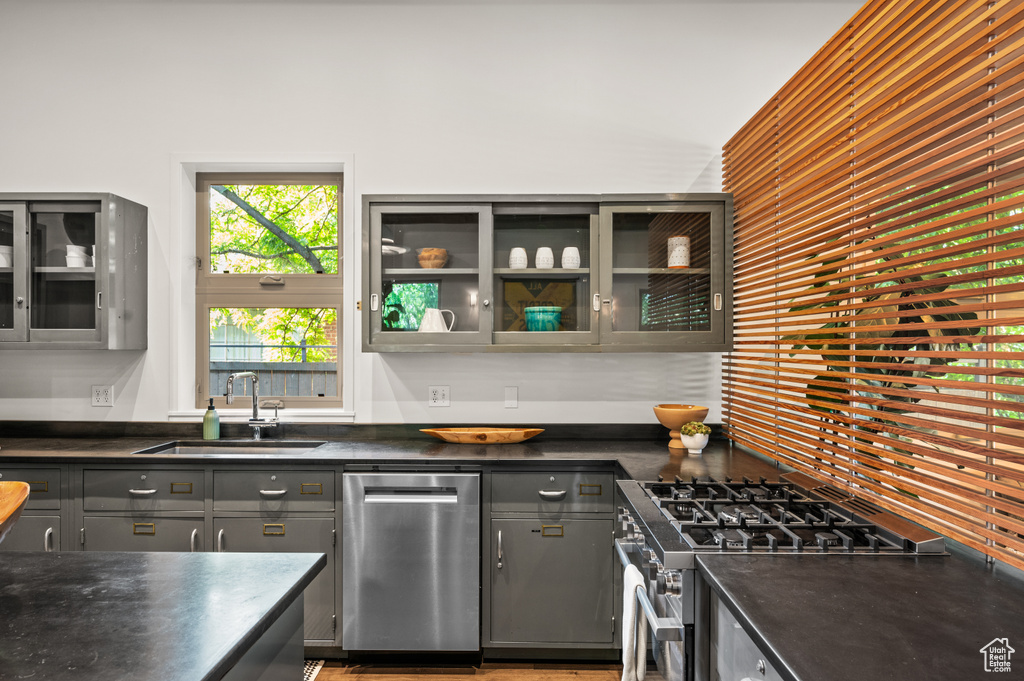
[{"x": 665, "y": 525}]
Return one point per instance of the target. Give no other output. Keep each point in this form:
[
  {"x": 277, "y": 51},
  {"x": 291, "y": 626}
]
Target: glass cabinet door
[
  {"x": 426, "y": 282},
  {"x": 13, "y": 278},
  {"x": 662, "y": 274},
  {"x": 63, "y": 283},
  {"x": 545, "y": 260}
]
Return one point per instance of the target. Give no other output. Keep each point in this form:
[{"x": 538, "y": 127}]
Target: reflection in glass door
[
  {"x": 63, "y": 273},
  {"x": 12, "y": 272}
]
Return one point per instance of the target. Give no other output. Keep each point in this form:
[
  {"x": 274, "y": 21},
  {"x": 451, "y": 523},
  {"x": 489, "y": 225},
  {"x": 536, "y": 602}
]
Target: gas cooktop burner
[{"x": 734, "y": 512}]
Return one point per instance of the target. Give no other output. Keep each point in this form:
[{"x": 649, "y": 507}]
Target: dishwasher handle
[{"x": 410, "y": 495}]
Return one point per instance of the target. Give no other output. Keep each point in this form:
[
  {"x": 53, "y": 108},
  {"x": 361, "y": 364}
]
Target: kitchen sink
[{"x": 233, "y": 448}]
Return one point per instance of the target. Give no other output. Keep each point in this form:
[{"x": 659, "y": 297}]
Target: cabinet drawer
[
  {"x": 43, "y": 482},
  {"x": 552, "y": 492},
  {"x": 34, "y": 533},
  {"x": 143, "y": 533},
  {"x": 143, "y": 489},
  {"x": 273, "y": 490}
]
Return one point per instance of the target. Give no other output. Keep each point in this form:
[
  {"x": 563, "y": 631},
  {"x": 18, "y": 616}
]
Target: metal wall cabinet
[
  {"x": 606, "y": 269},
  {"x": 288, "y": 510},
  {"x": 73, "y": 271},
  {"x": 550, "y": 563},
  {"x": 45, "y": 513}
]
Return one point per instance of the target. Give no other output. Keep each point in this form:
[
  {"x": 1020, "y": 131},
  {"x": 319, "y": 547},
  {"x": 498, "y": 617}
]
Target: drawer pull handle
[
  {"x": 143, "y": 528},
  {"x": 181, "y": 488},
  {"x": 273, "y": 493},
  {"x": 552, "y": 531},
  {"x": 590, "y": 490},
  {"x": 220, "y": 541},
  {"x": 278, "y": 529},
  {"x": 499, "y": 550},
  {"x": 193, "y": 541},
  {"x": 552, "y": 494},
  {"x": 37, "y": 486},
  {"x": 48, "y": 539},
  {"x": 142, "y": 492},
  {"x": 314, "y": 488}
]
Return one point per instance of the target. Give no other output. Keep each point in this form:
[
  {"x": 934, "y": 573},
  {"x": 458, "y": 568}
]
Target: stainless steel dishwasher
[{"x": 411, "y": 561}]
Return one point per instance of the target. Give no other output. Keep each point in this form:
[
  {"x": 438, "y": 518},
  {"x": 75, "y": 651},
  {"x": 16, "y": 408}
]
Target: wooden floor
[{"x": 343, "y": 670}]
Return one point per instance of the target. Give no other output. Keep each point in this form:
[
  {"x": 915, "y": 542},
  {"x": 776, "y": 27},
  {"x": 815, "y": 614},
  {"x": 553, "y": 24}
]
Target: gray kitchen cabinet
[
  {"x": 733, "y": 655},
  {"x": 34, "y": 533},
  {"x": 73, "y": 271},
  {"x": 142, "y": 532},
  {"x": 283, "y": 509},
  {"x": 598, "y": 263},
  {"x": 290, "y": 535},
  {"x": 551, "y": 582},
  {"x": 550, "y": 560},
  {"x": 45, "y": 512}
]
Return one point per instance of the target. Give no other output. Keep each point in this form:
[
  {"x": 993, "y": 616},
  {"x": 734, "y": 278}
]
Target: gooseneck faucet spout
[{"x": 256, "y": 422}]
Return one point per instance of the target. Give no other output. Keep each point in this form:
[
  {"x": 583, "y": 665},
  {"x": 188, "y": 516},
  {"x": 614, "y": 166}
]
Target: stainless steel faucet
[{"x": 255, "y": 422}]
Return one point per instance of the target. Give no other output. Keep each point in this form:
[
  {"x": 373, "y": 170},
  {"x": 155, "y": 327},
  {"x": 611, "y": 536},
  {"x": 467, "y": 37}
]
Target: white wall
[{"x": 497, "y": 96}]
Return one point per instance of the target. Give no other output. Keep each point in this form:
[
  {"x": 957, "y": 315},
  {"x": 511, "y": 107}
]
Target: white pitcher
[{"x": 433, "y": 320}]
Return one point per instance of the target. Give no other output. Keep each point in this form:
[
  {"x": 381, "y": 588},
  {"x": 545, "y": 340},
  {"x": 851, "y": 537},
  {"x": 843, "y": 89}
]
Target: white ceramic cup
[
  {"x": 6, "y": 256},
  {"x": 77, "y": 250},
  {"x": 570, "y": 258},
  {"x": 517, "y": 259},
  {"x": 77, "y": 260},
  {"x": 679, "y": 251},
  {"x": 545, "y": 258}
]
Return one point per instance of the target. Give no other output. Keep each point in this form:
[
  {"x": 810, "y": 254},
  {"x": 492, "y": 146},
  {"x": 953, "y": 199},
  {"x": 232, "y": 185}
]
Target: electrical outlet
[
  {"x": 437, "y": 396},
  {"x": 103, "y": 396},
  {"x": 511, "y": 397}
]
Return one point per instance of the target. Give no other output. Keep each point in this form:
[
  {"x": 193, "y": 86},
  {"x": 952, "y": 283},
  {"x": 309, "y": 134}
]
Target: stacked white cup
[{"x": 78, "y": 256}]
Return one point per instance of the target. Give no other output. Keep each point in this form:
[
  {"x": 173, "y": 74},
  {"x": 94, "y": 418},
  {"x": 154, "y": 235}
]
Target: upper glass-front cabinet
[
  {"x": 72, "y": 271},
  {"x": 547, "y": 273}
]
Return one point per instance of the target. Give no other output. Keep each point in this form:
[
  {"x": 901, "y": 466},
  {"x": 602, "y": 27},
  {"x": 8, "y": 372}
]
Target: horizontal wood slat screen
[{"x": 879, "y": 268}]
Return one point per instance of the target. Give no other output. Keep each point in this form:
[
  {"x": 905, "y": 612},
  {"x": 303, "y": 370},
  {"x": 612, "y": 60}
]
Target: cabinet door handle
[
  {"x": 718, "y": 301},
  {"x": 597, "y": 302},
  {"x": 99, "y": 300},
  {"x": 142, "y": 492},
  {"x": 374, "y": 302},
  {"x": 551, "y": 494},
  {"x": 273, "y": 493},
  {"x": 193, "y": 541},
  {"x": 48, "y": 539},
  {"x": 499, "y": 550},
  {"x": 20, "y": 301},
  {"x": 220, "y": 541}
]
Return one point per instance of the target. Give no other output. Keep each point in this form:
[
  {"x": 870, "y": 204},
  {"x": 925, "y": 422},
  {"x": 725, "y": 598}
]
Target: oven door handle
[{"x": 662, "y": 628}]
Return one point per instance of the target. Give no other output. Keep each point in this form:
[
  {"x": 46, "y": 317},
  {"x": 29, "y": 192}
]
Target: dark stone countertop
[
  {"x": 639, "y": 459},
  {"x": 851, "y": 618},
  {"x": 137, "y": 616}
]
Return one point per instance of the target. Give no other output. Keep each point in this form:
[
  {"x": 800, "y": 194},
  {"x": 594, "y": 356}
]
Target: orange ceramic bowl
[
  {"x": 673, "y": 416},
  {"x": 432, "y": 258}
]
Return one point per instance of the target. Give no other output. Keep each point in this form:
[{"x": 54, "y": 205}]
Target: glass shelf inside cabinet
[
  {"x": 63, "y": 272},
  {"x": 429, "y": 260},
  {"x": 542, "y": 260},
  {"x": 648, "y": 294}
]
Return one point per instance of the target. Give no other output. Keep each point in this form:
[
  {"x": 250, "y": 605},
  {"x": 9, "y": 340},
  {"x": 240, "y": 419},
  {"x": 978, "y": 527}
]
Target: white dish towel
[{"x": 634, "y": 627}]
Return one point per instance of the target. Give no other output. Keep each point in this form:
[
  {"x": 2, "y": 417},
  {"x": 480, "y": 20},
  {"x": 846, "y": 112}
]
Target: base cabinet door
[
  {"x": 289, "y": 535},
  {"x": 551, "y": 581},
  {"x": 34, "y": 533},
  {"x": 142, "y": 533}
]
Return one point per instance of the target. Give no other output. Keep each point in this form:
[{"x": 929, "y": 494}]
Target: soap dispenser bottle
[{"x": 211, "y": 423}]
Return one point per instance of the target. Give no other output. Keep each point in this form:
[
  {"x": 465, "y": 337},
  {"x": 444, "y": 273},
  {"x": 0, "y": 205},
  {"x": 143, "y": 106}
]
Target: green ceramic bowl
[{"x": 546, "y": 318}]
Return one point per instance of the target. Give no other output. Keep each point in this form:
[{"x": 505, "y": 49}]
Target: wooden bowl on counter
[
  {"x": 673, "y": 416},
  {"x": 13, "y": 497},
  {"x": 432, "y": 258}
]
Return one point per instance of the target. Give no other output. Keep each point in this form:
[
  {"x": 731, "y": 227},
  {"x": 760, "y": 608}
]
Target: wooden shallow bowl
[
  {"x": 672, "y": 416},
  {"x": 483, "y": 435},
  {"x": 13, "y": 497},
  {"x": 432, "y": 258}
]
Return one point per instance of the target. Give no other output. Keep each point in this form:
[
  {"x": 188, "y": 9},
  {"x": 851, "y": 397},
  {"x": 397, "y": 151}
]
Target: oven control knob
[{"x": 673, "y": 583}]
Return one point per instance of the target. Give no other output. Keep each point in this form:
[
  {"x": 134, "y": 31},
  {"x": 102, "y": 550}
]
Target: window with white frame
[{"x": 269, "y": 286}]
